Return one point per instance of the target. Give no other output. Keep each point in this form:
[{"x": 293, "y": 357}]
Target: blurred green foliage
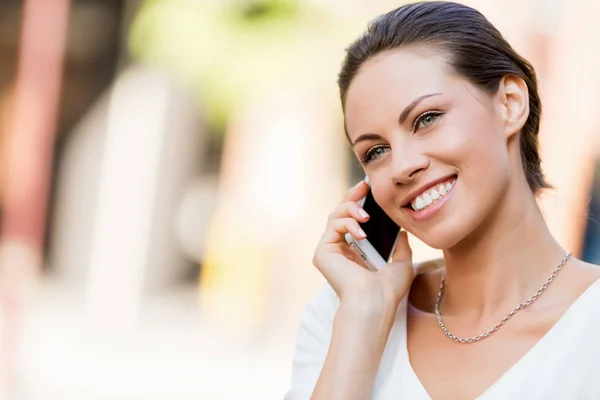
[{"x": 226, "y": 50}]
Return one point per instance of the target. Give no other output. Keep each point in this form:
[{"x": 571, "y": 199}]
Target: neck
[{"x": 502, "y": 263}]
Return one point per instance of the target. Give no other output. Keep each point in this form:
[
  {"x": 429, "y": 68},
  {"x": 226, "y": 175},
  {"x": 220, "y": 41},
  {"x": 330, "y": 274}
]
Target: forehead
[{"x": 392, "y": 80}]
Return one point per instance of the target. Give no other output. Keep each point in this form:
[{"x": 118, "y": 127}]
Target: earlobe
[{"x": 515, "y": 101}]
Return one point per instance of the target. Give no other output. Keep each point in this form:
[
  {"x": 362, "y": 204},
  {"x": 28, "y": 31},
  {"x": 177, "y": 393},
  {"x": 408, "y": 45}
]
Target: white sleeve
[{"x": 313, "y": 341}]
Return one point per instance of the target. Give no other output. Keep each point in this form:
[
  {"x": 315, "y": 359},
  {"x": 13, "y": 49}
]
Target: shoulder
[
  {"x": 587, "y": 280},
  {"x": 312, "y": 342},
  {"x": 581, "y": 277},
  {"x": 316, "y": 323},
  {"x": 575, "y": 292},
  {"x": 589, "y": 270},
  {"x": 323, "y": 304}
]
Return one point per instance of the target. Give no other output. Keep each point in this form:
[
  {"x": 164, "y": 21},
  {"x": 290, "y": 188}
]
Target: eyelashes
[
  {"x": 426, "y": 119},
  {"x": 373, "y": 153},
  {"x": 423, "y": 121}
]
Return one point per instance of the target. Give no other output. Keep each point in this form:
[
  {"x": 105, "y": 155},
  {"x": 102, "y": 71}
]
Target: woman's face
[{"x": 433, "y": 145}]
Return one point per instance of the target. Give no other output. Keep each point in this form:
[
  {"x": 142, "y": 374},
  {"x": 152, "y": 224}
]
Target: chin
[{"x": 443, "y": 236}]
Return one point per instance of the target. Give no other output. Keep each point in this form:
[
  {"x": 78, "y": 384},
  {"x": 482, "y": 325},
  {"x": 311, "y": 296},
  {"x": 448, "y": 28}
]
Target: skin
[{"x": 497, "y": 247}]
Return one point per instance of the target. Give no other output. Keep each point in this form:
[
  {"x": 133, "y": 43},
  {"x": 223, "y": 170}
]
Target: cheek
[
  {"x": 383, "y": 191},
  {"x": 484, "y": 171},
  {"x": 486, "y": 156},
  {"x": 474, "y": 147},
  {"x": 381, "y": 188}
]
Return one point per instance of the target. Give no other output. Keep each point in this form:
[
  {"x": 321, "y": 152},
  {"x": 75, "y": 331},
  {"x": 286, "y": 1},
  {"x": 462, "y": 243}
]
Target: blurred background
[{"x": 167, "y": 167}]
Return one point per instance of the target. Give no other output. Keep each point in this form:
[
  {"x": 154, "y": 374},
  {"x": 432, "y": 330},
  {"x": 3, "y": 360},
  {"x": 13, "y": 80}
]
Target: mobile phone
[{"x": 382, "y": 232}]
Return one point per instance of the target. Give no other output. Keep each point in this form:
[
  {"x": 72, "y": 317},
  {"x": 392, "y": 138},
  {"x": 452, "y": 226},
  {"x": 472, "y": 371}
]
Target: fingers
[
  {"x": 339, "y": 227},
  {"x": 346, "y": 217},
  {"x": 353, "y": 256},
  {"x": 349, "y": 209},
  {"x": 359, "y": 191}
]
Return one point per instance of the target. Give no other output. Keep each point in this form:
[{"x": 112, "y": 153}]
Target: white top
[{"x": 564, "y": 364}]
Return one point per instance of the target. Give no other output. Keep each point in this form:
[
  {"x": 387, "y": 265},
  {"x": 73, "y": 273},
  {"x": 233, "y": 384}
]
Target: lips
[
  {"x": 429, "y": 210},
  {"x": 428, "y": 193},
  {"x": 432, "y": 195}
]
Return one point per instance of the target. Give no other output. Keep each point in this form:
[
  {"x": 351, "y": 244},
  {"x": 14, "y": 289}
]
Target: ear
[{"x": 513, "y": 97}]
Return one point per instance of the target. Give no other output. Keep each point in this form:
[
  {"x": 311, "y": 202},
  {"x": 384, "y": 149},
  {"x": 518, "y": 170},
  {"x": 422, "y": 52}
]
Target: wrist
[
  {"x": 370, "y": 304},
  {"x": 374, "y": 318}
]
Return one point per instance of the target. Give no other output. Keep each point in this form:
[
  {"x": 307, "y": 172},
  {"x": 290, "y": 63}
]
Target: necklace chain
[{"x": 518, "y": 308}]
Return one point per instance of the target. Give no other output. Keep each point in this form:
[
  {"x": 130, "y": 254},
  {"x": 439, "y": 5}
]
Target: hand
[{"x": 372, "y": 291}]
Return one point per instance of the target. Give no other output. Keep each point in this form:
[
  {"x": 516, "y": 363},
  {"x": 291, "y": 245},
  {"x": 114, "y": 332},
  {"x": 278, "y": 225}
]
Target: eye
[
  {"x": 426, "y": 119},
  {"x": 374, "y": 153}
]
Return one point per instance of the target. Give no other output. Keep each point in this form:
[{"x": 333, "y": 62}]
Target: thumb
[
  {"x": 402, "y": 256},
  {"x": 402, "y": 250},
  {"x": 400, "y": 270}
]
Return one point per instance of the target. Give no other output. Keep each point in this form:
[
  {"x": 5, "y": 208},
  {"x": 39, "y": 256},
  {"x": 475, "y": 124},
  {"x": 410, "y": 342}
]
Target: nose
[{"x": 407, "y": 166}]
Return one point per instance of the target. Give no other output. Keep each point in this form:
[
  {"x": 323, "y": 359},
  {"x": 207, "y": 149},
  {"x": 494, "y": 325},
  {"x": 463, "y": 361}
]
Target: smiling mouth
[{"x": 431, "y": 195}]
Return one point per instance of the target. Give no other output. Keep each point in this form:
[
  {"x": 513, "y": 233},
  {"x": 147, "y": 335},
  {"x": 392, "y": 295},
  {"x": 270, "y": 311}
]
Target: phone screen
[{"x": 380, "y": 229}]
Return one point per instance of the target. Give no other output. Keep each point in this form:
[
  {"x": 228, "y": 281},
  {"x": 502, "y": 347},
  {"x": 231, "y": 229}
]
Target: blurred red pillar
[
  {"x": 32, "y": 126},
  {"x": 27, "y": 160}
]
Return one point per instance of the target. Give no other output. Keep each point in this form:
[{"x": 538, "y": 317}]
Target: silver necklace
[{"x": 503, "y": 321}]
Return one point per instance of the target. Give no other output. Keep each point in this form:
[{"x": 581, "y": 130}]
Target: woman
[{"x": 435, "y": 98}]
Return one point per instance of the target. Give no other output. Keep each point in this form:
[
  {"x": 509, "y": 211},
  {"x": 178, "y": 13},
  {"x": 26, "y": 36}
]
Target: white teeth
[
  {"x": 427, "y": 199},
  {"x": 419, "y": 203},
  {"x": 430, "y": 197}
]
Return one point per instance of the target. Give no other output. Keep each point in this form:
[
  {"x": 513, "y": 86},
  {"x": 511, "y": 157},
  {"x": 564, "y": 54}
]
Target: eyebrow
[
  {"x": 412, "y": 106},
  {"x": 366, "y": 136},
  {"x": 405, "y": 113}
]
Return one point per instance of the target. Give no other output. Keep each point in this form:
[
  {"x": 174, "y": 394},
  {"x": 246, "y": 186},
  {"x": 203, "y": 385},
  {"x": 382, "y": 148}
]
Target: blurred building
[{"x": 198, "y": 150}]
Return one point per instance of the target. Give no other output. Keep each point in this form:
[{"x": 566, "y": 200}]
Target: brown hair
[{"x": 477, "y": 52}]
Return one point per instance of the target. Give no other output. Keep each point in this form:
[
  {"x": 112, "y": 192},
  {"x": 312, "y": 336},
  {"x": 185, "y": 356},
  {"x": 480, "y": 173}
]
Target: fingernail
[
  {"x": 363, "y": 213},
  {"x": 358, "y": 184},
  {"x": 362, "y": 233}
]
